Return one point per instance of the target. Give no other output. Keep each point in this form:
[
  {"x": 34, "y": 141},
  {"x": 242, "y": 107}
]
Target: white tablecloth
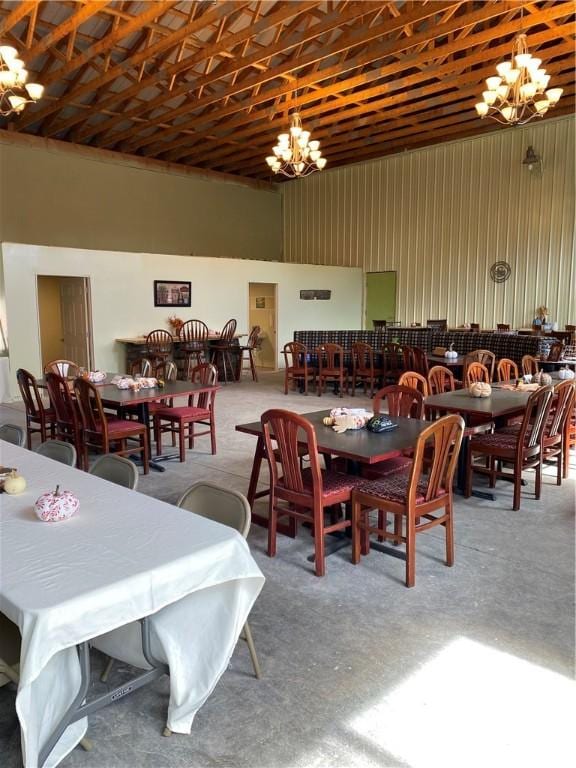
[{"x": 123, "y": 556}]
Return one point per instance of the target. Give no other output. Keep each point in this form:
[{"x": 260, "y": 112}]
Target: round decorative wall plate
[{"x": 500, "y": 271}]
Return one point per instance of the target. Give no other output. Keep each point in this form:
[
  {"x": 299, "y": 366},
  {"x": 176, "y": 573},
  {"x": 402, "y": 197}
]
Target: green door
[{"x": 380, "y": 297}]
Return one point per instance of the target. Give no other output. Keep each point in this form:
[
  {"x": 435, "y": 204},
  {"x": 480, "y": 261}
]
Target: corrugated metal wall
[{"x": 441, "y": 216}]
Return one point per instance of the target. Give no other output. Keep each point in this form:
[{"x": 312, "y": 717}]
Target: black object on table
[{"x": 359, "y": 446}]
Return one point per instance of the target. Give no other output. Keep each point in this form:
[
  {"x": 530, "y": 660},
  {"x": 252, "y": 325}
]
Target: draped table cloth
[{"x": 122, "y": 557}]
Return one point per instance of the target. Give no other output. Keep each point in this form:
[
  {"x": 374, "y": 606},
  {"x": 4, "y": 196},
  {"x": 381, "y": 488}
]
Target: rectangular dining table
[
  {"x": 119, "y": 399},
  {"x": 358, "y": 446},
  {"x": 501, "y": 404},
  {"x": 125, "y": 572}
]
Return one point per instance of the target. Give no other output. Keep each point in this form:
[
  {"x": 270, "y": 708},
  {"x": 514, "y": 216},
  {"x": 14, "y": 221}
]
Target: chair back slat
[
  {"x": 530, "y": 365},
  {"x": 159, "y": 342},
  {"x": 91, "y": 409},
  {"x": 194, "y": 332},
  {"x": 295, "y": 355},
  {"x": 166, "y": 370},
  {"x": 30, "y": 393},
  {"x": 414, "y": 380},
  {"x": 483, "y": 356},
  {"x": 61, "y": 400},
  {"x": 560, "y": 408},
  {"x": 440, "y": 379},
  {"x": 330, "y": 357},
  {"x": 206, "y": 374},
  {"x": 228, "y": 331},
  {"x": 142, "y": 367},
  {"x": 445, "y": 437},
  {"x": 252, "y": 342},
  {"x": 507, "y": 370},
  {"x": 476, "y": 372},
  {"x": 402, "y": 401},
  {"x": 392, "y": 360},
  {"x": 362, "y": 358},
  {"x": 420, "y": 361},
  {"x": 535, "y": 416},
  {"x": 65, "y": 368}
]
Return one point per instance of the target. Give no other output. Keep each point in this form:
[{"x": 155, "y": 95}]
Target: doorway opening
[
  {"x": 262, "y": 311},
  {"x": 380, "y": 298},
  {"x": 65, "y": 319}
]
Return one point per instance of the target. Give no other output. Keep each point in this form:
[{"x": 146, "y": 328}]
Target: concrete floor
[{"x": 473, "y": 667}]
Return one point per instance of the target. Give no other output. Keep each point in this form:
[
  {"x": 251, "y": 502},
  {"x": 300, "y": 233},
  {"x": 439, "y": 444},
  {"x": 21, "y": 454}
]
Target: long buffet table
[{"x": 508, "y": 345}]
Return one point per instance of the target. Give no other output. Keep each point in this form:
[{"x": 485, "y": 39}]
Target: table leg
[
  {"x": 155, "y": 462},
  {"x": 289, "y": 528},
  {"x": 78, "y": 710}
]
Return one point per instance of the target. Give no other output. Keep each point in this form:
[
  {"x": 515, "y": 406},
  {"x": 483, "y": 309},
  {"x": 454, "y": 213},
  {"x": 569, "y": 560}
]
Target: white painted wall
[{"x": 123, "y": 302}]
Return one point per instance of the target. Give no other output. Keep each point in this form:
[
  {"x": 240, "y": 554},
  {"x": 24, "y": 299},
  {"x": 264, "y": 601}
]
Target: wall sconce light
[{"x": 532, "y": 160}]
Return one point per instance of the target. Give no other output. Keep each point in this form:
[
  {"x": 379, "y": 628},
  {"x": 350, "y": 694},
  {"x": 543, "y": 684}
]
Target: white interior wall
[{"x": 123, "y": 302}]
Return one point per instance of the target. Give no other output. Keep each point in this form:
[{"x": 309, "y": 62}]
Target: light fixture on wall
[
  {"x": 532, "y": 160},
  {"x": 295, "y": 155},
  {"x": 518, "y": 93},
  {"x": 15, "y": 92}
]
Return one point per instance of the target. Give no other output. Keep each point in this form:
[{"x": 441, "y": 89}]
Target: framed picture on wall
[
  {"x": 168, "y": 293},
  {"x": 261, "y": 302}
]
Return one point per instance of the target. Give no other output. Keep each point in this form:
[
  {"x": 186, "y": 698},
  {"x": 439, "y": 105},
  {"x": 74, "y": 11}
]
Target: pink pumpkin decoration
[{"x": 56, "y": 505}]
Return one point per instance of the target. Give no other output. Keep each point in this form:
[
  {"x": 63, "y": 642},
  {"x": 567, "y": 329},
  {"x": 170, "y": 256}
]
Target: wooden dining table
[
  {"x": 501, "y": 404},
  {"x": 359, "y": 446},
  {"x": 119, "y": 399}
]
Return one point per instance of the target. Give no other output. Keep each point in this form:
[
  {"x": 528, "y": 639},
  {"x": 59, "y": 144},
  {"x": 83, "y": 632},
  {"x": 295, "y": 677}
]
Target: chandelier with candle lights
[
  {"x": 295, "y": 155},
  {"x": 15, "y": 92},
  {"x": 518, "y": 93}
]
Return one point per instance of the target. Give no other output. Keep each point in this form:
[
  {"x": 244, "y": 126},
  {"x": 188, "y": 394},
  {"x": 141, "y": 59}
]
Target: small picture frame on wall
[
  {"x": 170, "y": 293},
  {"x": 260, "y": 302}
]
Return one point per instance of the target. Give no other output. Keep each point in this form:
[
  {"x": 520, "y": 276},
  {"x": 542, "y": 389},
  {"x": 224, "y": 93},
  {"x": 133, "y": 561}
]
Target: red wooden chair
[
  {"x": 181, "y": 420},
  {"x": 39, "y": 417},
  {"x": 420, "y": 361},
  {"x": 248, "y": 349},
  {"x": 506, "y": 370},
  {"x": 520, "y": 447},
  {"x": 483, "y": 356},
  {"x": 193, "y": 335},
  {"x": 440, "y": 379},
  {"x": 306, "y": 493},
  {"x": 331, "y": 367},
  {"x": 392, "y": 363},
  {"x": 555, "y": 430},
  {"x": 223, "y": 348},
  {"x": 476, "y": 372},
  {"x": 364, "y": 370},
  {"x": 569, "y": 439},
  {"x": 103, "y": 432},
  {"x": 159, "y": 345},
  {"x": 530, "y": 365},
  {"x": 296, "y": 368},
  {"x": 414, "y": 380},
  {"x": 419, "y": 497},
  {"x": 402, "y": 401},
  {"x": 65, "y": 368},
  {"x": 68, "y": 420}
]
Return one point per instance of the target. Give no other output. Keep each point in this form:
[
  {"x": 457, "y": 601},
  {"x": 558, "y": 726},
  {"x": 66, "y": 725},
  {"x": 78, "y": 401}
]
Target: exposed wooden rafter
[{"x": 210, "y": 85}]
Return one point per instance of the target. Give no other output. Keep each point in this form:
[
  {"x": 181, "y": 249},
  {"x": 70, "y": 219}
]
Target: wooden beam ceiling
[{"x": 210, "y": 84}]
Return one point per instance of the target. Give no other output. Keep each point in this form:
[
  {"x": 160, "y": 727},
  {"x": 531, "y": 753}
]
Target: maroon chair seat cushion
[
  {"x": 386, "y": 467},
  {"x": 121, "y": 425},
  {"x": 501, "y": 440},
  {"x": 333, "y": 483},
  {"x": 394, "y": 487},
  {"x": 182, "y": 413}
]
